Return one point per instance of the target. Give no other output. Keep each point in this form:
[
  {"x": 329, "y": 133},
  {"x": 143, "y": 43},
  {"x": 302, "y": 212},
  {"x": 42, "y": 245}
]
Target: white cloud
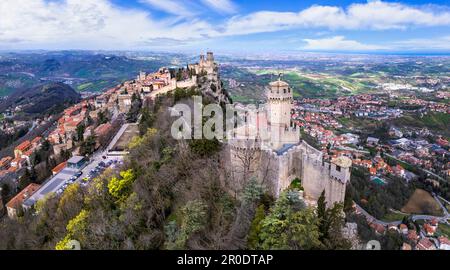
[
  {"x": 99, "y": 24},
  {"x": 374, "y": 15},
  {"x": 441, "y": 43},
  {"x": 338, "y": 43},
  {"x": 225, "y": 6},
  {"x": 90, "y": 24},
  {"x": 171, "y": 7}
]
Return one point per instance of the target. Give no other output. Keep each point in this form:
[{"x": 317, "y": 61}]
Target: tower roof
[
  {"x": 342, "y": 161},
  {"x": 278, "y": 83}
]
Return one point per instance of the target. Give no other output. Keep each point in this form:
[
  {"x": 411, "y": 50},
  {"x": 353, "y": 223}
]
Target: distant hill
[
  {"x": 84, "y": 71},
  {"x": 43, "y": 99}
]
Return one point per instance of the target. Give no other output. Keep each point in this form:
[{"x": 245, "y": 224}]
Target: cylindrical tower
[{"x": 279, "y": 101}]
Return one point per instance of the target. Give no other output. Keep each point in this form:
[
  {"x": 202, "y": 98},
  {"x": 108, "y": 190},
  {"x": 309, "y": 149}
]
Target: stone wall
[{"x": 276, "y": 172}]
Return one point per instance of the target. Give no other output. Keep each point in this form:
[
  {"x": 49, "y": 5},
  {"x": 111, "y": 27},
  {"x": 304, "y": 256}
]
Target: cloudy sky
[{"x": 227, "y": 25}]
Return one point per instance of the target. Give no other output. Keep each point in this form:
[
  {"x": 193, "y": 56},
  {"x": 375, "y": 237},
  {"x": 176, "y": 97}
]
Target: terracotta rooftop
[
  {"x": 425, "y": 243},
  {"x": 23, "y": 195},
  {"x": 59, "y": 167},
  {"x": 28, "y": 153},
  {"x": 23, "y": 146},
  {"x": 103, "y": 128},
  {"x": 36, "y": 140},
  {"x": 4, "y": 161}
]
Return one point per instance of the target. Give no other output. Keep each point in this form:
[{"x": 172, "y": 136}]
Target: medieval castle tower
[{"x": 267, "y": 145}]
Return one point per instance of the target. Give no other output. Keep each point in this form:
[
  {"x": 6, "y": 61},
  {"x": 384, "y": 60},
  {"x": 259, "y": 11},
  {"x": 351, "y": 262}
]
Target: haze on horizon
[{"x": 351, "y": 26}]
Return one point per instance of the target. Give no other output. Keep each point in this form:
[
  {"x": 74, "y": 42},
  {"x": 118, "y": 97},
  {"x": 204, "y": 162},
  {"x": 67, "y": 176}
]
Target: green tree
[
  {"x": 147, "y": 120},
  {"x": 75, "y": 230},
  {"x": 87, "y": 147},
  {"x": 322, "y": 215},
  {"x": 80, "y": 132},
  {"x": 193, "y": 218},
  {"x": 289, "y": 226},
  {"x": 252, "y": 191},
  {"x": 205, "y": 147},
  {"x": 25, "y": 180},
  {"x": 331, "y": 222},
  {"x": 120, "y": 188},
  {"x": 255, "y": 228},
  {"x": 335, "y": 222},
  {"x": 102, "y": 119}
]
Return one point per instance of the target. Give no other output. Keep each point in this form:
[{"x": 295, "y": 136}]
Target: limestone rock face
[
  {"x": 350, "y": 232},
  {"x": 208, "y": 78}
]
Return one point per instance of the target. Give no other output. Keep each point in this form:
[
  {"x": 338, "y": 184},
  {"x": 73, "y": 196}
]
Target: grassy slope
[
  {"x": 434, "y": 121},
  {"x": 325, "y": 86}
]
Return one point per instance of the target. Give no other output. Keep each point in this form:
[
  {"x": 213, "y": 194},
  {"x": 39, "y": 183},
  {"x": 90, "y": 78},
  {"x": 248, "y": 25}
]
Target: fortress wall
[
  {"x": 318, "y": 176},
  {"x": 315, "y": 177},
  {"x": 185, "y": 84},
  {"x": 340, "y": 174},
  {"x": 244, "y": 164},
  {"x": 270, "y": 172}
]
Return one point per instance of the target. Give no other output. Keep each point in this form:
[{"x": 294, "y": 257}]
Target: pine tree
[{"x": 322, "y": 215}]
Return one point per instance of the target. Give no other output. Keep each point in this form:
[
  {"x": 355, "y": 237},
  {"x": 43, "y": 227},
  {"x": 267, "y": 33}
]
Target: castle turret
[
  {"x": 142, "y": 76},
  {"x": 279, "y": 100},
  {"x": 210, "y": 57},
  {"x": 340, "y": 175},
  {"x": 202, "y": 59}
]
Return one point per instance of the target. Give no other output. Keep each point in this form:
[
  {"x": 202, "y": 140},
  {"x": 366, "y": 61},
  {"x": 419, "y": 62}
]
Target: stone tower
[
  {"x": 210, "y": 57},
  {"x": 282, "y": 130}
]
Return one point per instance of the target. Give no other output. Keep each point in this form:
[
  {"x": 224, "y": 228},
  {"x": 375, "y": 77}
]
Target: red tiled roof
[
  {"x": 102, "y": 129},
  {"x": 36, "y": 140},
  {"x": 19, "y": 198},
  {"x": 425, "y": 243},
  {"x": 59, "y": 167},
  {"x": 4, "y": 161},
  {"x": 28, "y": 153},
  {"x": 23, "y": 146}
]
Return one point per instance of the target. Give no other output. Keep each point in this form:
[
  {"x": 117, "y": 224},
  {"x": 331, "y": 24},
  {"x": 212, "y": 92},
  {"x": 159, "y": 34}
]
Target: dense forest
[{"x": 173, "y": 195}]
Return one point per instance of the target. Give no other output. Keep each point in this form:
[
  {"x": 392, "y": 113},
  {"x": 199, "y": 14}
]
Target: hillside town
[
  {"x": 89, "y": 136},
  {"x": 342, "y": 127},
  {"x": 327, "y": 121},
  {"x": 93, "y": 135}
]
